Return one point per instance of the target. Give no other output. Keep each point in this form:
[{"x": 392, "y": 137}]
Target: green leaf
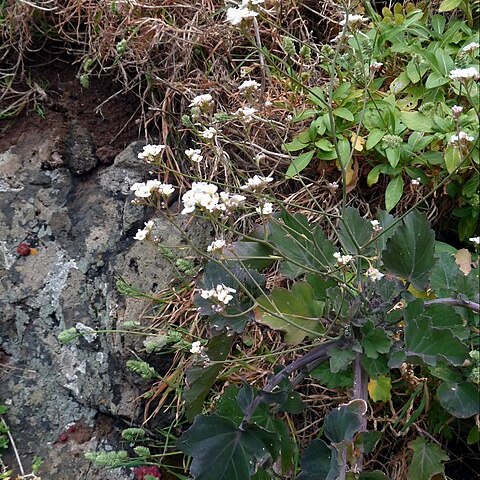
[
  {"x": 340, "y": 359},
  {"x": 354, "y": 231},
  {"x": 459, "y": 399},
  {"x": 200, "y": 379},
  {"x": 299, "y": 163},
  {"x": 374, "y": 137},
  {"x": 375, "y": 340},
  {"x": 393, "y": 156},
  {"x": 294, "y": 146},
  {"x": 409, "y": 252},
  {"x": 417, "y": 121},
  {"x": 373, "y": 175},
  {"x": 431, "y": 344},
  {"x": 344, "y": 149},
  {"x": 344, "y": 113},
  {"x": 368, "y": 440},
  {"x": 251, "y": 254},
  {"x": 345, "y": 421},
  {"x": 444, "y": 62},
  {"x": 315, "y": 461},
  {"x": 426, "y": 461},
  {"x": 393, "y": 192},
  {"x": 325, "y": 145},
  {"x": 452, "y": 158},
  {"x": 375, "y": 366},
  {"x": 449, "y": 5},
  {"x": 380, "y": 389},
  {"x": 296, "y": 312},
  {"x": 329, "y": 379},
  {"x": 413, "y": 71},
  {"x": 435, "y": 80},
  {"x": 473, "y": 435},
  {"x": 221, "y": 451}
]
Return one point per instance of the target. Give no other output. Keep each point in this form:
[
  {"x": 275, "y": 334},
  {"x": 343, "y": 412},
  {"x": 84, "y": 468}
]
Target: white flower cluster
[
  {"x": 456, "y": 111},
  {"x": 246, "y": 114},
  {"x": 471, "y": 47},
  {"x": 415, "y": 182},
  {"x": 475, "y": 240},
  {"x": 145, "y": 189},
  {"x": 208, "y": 133},
  {"x": 464, "y": 74},
  {"x": 206, "y": 197},
  {"x": 196, "y": 347},
  {"x": 376, "y": 225},
  {"x": 202, "y": 101},
  {"x": 216, "y": 246},
  {"x": 220, "y": 293},
  {"x": 461, "y": 139},
  {"x": 374, "y": 275},
  {"x": 144, "y": 232},
  {"x": 194, "y": 154},
  {"x": 342, "y": 259},
  {"x": 353, "y": 21},
  {"x": 235, "y": 15},
  {"x": 257, "y": 183},
  {"x": 249, "y": 87},
  {"x": 149, "y": 152},
  {"x": 265, "y": 208}
]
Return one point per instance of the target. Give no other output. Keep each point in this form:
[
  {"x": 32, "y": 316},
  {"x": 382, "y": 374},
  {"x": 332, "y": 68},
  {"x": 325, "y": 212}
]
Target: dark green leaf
[
  {"x": 295, "y": 312},
  {"x": 369, "y": 440},
  {"x": 329, "y": 379},
  {"x": 427, "y": 460},
  {"x": 375, "y": 340},
  {"x": 445, "y": 275},
  {"x": 251, "y": 254},
  {"x": 409, "y": 252},
  {"x": 473, "y": 435},
  {"x": 200, "y": 379},
  {"x": 221, "y": 451},
  {"x": 375, "y": 366},
  {"x": 430, "y": 344},
  {"x": 340, "y": 359},
  {"x": 459, "y": 399},
  {"x": 354, "y": 231},
  {"x": 344, "y": 422},
  {"x": 316, "y": 461},
  {"x": 375, "y": 475}
]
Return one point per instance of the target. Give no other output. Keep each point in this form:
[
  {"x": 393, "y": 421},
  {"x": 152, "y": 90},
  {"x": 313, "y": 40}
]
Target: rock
[
  {"x": 83, "y": 230},
  {"x": 80, "y": 150}
]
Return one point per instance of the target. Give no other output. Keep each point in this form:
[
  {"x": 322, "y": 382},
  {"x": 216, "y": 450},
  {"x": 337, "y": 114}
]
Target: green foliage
[
  {"x": 427, "y": 460},
  {"x": 402, "y": 116},
  {"x": 143, "y": 369}
]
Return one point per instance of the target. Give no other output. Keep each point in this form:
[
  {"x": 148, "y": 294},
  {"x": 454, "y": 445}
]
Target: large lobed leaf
[
  {"x": 409, "y": 252},
  {"x": 427, "y": 460},
  {"x": 222, "y": 451}
]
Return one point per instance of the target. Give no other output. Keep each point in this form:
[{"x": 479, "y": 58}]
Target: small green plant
[{"x": 402, "y": 97}]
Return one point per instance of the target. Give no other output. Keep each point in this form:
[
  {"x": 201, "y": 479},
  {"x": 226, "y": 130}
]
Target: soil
[{"x": 103, "y": 110}]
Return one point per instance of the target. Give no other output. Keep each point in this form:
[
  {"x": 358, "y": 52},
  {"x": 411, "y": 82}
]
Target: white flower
[
  {"x": 216, "y": 246},
  {"x": 203, "y": 195},
  {"x": 220, "y": 293},
  {"x": 257, "y": 183},
  {"x": 265, "y": 209},
  {"x": 342, "y": 259},
  {"x": 374, "y": 274},
  {"x": 246, "y": 113},
  {"x": 144, "y": 232},
  {"x": 456, "y": 111},
  {"x": 235, "y": 16},
  {"x": 475, "y": 240},
  {"x": 89, "y": 334},
  {"x": 202, "y": 101},
  {"x": 415, "y": 182},
  {"x": 194, "y": 154},
  {"x": 471, "y": 47},
  {"x": 333, "y": 186},
  {"x": 375, "y": 66},
  {"x": 249, "y": 86},
  {"x": 196, "y": 347},
  {"x": 144, "y": 190},
  {"x": 461, "y": 138},
  {"x": 150, "y": 151},
  {"x": 376, "y": 225},
  {"x": 470, "y": 73},
  {"x": 353, "y": 21},
  {"x": 208, "y": 133},
  {"x": 231, "y": 201}
]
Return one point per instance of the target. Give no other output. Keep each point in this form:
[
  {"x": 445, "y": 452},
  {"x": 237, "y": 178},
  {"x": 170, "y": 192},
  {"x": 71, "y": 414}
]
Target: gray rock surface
[{"x": 83, "y": 230}]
